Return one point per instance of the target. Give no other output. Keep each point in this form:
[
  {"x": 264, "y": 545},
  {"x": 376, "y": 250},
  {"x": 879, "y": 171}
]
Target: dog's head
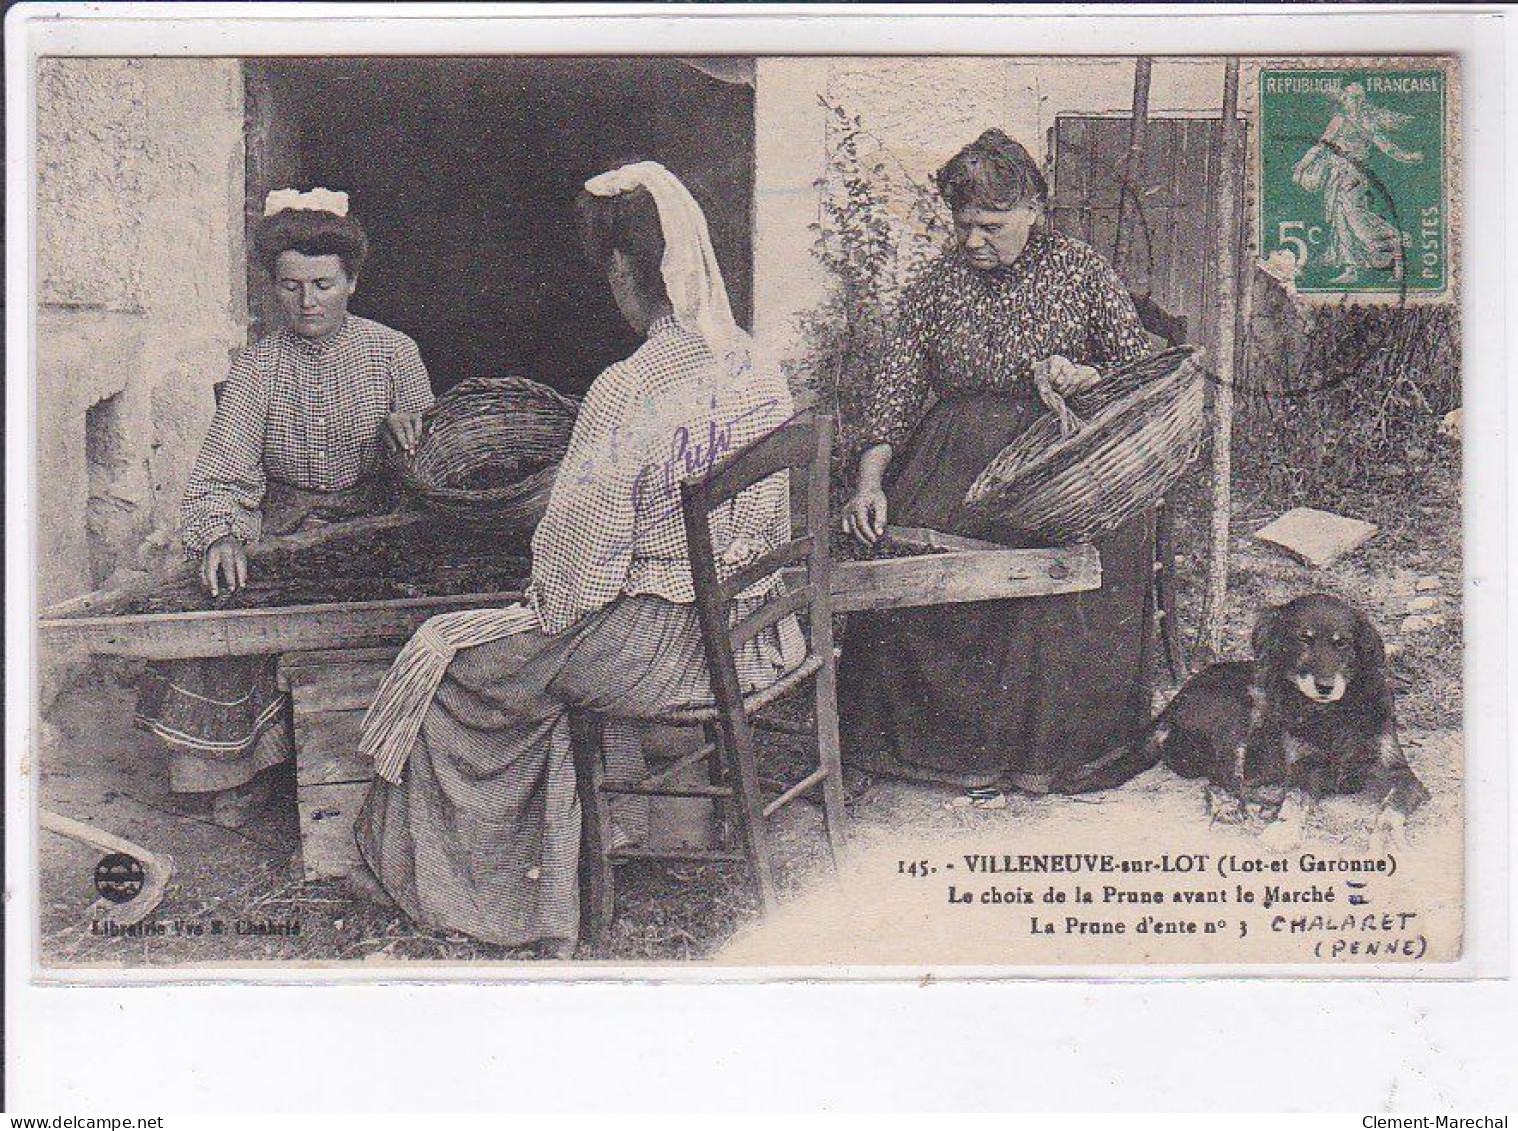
[{"x": 1320, "y": 645}]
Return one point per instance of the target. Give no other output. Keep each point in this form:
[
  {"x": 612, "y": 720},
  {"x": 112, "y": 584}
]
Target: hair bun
[{"x": 994, "y": 172}]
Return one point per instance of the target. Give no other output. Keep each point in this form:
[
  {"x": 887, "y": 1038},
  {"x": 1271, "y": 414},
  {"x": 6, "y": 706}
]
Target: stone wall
[{"x": 141, "y": 300}]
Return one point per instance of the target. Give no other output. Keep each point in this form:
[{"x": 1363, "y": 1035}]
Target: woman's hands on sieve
[
  {"x": 402, "y": 432},
  {"x": 224, "y": 566},
  {"x": 864, "y": 516}
]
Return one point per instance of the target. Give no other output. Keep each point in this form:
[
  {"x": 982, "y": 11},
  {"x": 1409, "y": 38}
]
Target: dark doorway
[{"x": 464, "y": 173}]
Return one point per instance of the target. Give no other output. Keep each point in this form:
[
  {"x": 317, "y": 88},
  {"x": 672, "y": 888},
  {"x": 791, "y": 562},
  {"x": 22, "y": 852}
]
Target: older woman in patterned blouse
[
  {"x": 295, "y": 438},
  {"x": 998, "y": 693}
]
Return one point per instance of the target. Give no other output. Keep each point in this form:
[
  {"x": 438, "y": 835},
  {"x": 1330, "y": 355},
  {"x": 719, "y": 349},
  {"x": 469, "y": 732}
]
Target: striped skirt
[
  {"x": 482, "y": 834},
  {"x": 224, "y": 720}
]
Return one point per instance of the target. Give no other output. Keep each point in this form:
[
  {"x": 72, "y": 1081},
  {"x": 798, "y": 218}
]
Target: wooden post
[
  {"x": 1229, "y": 184},
  {"x": 1132, "y": 168}
]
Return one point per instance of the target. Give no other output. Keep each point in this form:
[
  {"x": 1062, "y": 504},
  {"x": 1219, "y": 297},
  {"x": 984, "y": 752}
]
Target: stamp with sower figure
[{"x": 1352, "y": 179}]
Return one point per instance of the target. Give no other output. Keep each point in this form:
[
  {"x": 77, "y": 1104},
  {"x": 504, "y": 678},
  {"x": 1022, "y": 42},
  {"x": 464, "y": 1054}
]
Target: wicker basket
[
  {"x": 1105, "y": 454},
  {"x": 490, "y": 447}
]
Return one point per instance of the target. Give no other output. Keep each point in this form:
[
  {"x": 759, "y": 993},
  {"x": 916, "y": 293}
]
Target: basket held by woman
[
  {"x": 1102, "y": 456},
  {"x": 490, "y": 447}
]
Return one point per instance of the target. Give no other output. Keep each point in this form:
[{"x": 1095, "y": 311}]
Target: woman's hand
[
  {"x": 1066, "y": 377},
  {"x": 224, "y": 566},
  {"x": 402, "y": 432},
  {"x": 864, "y": 516},
  {"x": 1305, "y": 160}
]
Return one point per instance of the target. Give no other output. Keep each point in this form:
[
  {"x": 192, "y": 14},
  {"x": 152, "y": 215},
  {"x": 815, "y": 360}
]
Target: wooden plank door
[{"x": 1169, "y": 217}]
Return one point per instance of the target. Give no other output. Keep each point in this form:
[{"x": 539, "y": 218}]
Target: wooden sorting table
[{"x": 332, "y": 656}]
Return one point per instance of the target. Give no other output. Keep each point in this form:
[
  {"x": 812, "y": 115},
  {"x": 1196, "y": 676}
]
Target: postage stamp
[{"x": 1352, "y": 182}]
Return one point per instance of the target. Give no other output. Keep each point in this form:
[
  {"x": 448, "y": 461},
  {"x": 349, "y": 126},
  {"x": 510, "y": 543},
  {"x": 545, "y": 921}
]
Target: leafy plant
[
  {"x": 1357, "y": 407},
  {"x": 869, "y": 252}
]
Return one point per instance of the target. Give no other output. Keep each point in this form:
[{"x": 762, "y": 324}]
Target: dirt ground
[{"x": 96, "y": 768}]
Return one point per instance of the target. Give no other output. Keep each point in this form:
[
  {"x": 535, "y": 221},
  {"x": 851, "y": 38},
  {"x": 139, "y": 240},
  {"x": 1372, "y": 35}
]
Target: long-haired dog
[{"x": 1312, "y": 715}]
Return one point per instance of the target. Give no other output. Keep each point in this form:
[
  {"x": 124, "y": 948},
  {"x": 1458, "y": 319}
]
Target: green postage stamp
[{"x": 1352, "y": 183}]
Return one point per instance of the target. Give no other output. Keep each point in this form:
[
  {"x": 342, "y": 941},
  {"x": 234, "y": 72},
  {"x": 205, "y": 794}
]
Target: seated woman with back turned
[{"x": 475, "y": 826}]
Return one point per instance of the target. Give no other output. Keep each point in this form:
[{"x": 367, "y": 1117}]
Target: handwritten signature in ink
[{"x": 656, "y": 487}]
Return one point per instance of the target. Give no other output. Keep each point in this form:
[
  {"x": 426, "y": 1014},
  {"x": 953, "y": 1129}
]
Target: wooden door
[{"x": 1169, "y": 217}]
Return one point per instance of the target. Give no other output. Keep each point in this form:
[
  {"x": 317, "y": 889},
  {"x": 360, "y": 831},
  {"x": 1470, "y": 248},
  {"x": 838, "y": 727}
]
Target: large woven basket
[
  {"x": 1114, "y": 453},
  {"x": 489, "y": 450}
]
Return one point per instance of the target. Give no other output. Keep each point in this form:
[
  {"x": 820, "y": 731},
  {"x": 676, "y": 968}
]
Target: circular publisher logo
[{"x": 118, "y": 877}]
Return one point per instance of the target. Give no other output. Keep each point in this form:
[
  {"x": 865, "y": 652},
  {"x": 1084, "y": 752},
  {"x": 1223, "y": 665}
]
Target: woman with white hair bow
[
  {"x": 473, "y": 824},
  {"x": 295, "y": 440}
]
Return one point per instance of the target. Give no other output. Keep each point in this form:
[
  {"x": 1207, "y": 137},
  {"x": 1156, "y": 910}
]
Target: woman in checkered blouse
[
  {"x": 481, "y": 831},
  {"x": 295, "y": 438}
]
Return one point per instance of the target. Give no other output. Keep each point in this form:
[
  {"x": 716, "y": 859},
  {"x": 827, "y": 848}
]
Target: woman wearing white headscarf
[{"x": 473, "y": 824}]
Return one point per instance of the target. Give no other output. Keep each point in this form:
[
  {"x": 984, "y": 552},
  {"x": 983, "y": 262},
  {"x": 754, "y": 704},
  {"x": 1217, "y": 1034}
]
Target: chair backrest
[{"x": 803, "y": 443}]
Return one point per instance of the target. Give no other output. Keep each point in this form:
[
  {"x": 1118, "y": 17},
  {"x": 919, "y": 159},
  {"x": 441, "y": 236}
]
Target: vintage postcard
[{"x": 578, "y": 514}]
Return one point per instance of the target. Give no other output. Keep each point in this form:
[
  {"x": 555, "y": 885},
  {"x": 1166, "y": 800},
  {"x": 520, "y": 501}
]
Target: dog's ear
[
  {"x": 1370, "y": 649},
  {"x": 1267, "y": 634}
]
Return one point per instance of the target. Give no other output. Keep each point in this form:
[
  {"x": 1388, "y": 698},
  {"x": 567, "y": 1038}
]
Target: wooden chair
[
  {"x": 730, "y": 723},
  {"x": 1170, "y": 329}
]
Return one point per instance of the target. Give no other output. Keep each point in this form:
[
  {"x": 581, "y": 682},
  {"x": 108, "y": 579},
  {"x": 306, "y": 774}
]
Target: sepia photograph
[
  {"x": 873, "y": 557},
  {"x": 578, "y": 513}
]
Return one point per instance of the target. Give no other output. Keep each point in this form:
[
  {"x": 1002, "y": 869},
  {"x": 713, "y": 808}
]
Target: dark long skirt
[{"x": 1013, "y": 693}]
